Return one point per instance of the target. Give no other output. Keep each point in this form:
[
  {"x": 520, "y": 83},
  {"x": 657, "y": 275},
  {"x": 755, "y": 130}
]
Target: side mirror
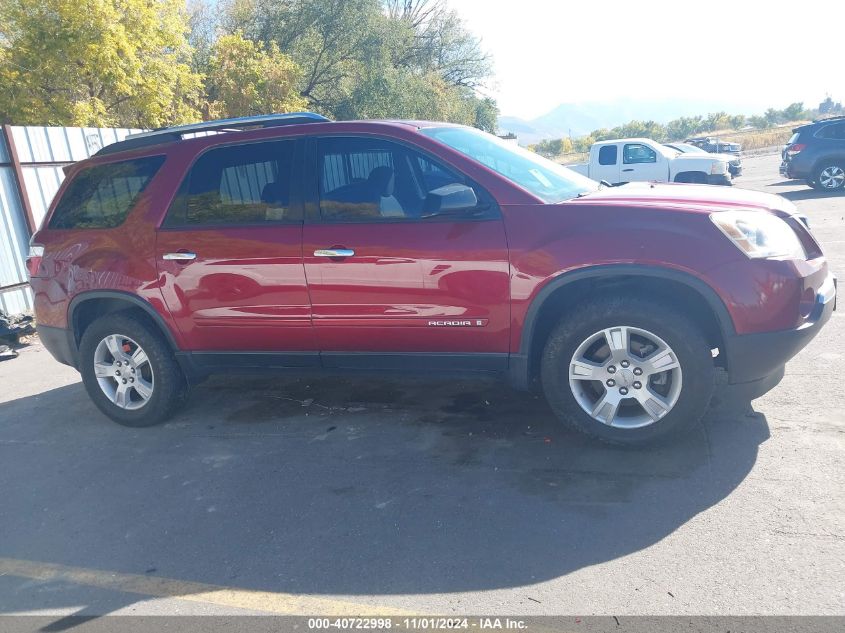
[{"x": 448, "y": 199}]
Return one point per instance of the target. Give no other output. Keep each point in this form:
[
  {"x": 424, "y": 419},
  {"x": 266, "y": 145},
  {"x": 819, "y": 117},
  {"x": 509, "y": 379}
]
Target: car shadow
[
  {"x": 810, "y": 194},
  {"x": 346, "y": 486}
]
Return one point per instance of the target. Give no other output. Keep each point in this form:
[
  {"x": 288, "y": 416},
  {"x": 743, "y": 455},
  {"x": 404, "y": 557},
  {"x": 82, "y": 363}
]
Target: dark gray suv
[{"x": 816, "y": 153}]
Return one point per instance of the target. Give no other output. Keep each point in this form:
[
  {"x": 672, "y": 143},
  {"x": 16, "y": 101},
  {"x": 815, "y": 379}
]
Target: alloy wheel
[
  {"x": 625, "y": 377},
  {"x": 832, "y": 177},
  {"x": 124, "y": 372}
]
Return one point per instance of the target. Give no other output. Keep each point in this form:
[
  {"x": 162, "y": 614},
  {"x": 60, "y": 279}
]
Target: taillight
[
  {"x": 792, "y": 150},
  {"x": 33, "y": 260}
]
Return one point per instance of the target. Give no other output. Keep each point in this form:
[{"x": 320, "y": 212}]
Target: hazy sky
[{"x": 755, "y": 54}]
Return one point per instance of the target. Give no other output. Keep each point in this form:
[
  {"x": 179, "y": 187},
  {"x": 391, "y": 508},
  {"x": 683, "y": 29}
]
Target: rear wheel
[
  {"x": 627, "y": 370},
  {"x": 829, "y": 177},
  {"x": 129, "y": 371}
]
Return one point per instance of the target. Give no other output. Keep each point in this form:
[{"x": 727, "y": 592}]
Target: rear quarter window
[
  {"x": 607, "y": 155},
  {"x": 102, "y": 196},
  {"x": 834, "y": 131}
]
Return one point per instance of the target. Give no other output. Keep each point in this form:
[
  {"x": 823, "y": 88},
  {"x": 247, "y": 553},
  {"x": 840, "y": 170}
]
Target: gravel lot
[{"x": 318, "y": 496}]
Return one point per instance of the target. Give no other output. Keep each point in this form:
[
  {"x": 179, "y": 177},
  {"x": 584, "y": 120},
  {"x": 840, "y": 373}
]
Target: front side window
[
  {"x": 102, "y": 196},
  {"x": 238, "y": 184},
  {"x": 368, "y": 179},
  {"x": 541, "y": 177},
  {"x": 636, "y": 153}
]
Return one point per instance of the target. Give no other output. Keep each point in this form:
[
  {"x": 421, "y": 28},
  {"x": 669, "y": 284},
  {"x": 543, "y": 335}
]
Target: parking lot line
[{"x": 154, "y": 586}]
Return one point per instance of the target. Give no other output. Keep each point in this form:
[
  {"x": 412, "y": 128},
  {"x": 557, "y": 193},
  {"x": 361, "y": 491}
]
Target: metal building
[{"x": 31, "y": 169}]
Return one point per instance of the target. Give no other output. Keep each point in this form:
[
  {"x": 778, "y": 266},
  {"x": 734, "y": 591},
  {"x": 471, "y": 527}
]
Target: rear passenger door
[
  {"x": 229, "y": 253},
  {"x": 389, "y": 273}
]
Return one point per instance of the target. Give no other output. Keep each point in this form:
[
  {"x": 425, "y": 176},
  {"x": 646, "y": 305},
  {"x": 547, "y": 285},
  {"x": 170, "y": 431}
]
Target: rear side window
[
  {"x": 238, "y": 184},
  {"x": 835, "y": 132},
  {"x": 607, "y": 155},
  {"x": 102, "y": 196}
]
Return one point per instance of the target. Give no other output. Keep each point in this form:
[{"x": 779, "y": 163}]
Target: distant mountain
[{"x": 578, "y": 119}]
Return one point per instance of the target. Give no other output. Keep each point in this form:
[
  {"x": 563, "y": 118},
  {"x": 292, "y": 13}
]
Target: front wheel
[
  {"x": 129, "y": 371},
  {"x": 628, "y": 371}
]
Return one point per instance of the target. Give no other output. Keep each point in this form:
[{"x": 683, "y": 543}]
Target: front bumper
[{"x": 756, "y": 358}]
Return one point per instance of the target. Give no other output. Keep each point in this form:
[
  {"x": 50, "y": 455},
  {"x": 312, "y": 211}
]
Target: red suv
[{"x": 291, "y": 242}]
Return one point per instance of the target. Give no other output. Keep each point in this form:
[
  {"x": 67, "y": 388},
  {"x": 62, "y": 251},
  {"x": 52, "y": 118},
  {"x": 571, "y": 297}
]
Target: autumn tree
[
  {"x": 245, "y": 78},
  {"x": 367, "y": 59},
  {"x": 96, "y": 63}
]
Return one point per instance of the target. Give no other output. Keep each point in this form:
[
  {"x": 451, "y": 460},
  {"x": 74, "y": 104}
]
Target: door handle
[
  {"x": 182, "y": 256},
  {"x": 334, "y": 252},
  {"x": 629, "y": 169}
]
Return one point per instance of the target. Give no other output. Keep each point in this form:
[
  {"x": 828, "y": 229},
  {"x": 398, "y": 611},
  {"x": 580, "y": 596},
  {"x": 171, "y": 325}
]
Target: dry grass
[{"x": 757, "y": 139}]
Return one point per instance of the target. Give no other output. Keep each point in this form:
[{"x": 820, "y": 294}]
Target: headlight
[
  {"x": 760, "y": 234},
  {"x": 718, "y": 167}
]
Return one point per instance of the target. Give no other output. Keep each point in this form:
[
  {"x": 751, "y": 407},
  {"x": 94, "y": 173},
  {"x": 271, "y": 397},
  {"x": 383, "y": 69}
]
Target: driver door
[
  {"x": 387, "y": 275},
  {"x": 642, "y": 163}
]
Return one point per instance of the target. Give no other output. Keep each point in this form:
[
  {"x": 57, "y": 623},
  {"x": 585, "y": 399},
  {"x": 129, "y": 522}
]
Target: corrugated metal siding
[
  {"x": 4, "y": 151},
  {"x": 43, "y": 152},
  {"x": 42, "y": 183},
  {"x": 64, "y": 144},
  {"x": 16, "y": 300},
  {"x": 13, "y": 246}
]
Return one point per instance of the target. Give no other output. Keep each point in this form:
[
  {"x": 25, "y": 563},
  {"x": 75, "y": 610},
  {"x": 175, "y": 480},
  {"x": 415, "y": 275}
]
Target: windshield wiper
[{"x": 602, "y": 185}]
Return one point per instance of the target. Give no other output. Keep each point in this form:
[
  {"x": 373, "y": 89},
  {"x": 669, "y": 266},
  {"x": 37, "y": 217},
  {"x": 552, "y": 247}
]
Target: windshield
[{"x": 545, "y": 179}]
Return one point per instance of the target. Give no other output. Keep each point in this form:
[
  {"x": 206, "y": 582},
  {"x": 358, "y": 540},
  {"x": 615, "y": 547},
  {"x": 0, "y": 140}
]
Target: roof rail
[{"x": 175, "y": 133}]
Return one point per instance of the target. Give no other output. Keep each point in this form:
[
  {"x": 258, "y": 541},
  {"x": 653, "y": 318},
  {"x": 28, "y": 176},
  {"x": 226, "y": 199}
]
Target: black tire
[
  {"x": 692, "y": 178},
  {"x": 816, "y": 178},
  {"x": 169, "y": 388},
  {"x": 657, "y": 317}
]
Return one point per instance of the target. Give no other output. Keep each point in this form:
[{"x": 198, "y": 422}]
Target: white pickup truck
[{"x": 641, "y": 159}]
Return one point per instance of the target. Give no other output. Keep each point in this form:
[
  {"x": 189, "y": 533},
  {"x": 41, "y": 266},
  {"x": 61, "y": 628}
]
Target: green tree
[
  {"x": 773, "y": 117},
  {"x": 760, "y": 122},
  {"x": 737, "y": 121},
  {"x": 550, "y": 148},
  {"x": 365, "y": 58},
  {"x": 486, "y": 114},
  {"x": 794, "y": 112},
  {"x": 717, "y": 121},
  {"x": 96, "y": 62},
  {"x": 684, "y": 127},
  {"x": 245, "y": 79}
]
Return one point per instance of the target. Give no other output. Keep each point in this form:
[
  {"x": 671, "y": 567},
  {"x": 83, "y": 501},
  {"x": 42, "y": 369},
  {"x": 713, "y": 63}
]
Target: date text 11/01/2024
[{"x": 420, "y": 623}]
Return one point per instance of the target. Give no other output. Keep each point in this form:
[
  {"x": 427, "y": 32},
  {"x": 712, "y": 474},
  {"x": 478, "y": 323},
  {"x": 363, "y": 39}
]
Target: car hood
[
  {"x": 690, "y": 157},
  {"x": 727, "y": 157},
  {"x": 690, "y": 198}
]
